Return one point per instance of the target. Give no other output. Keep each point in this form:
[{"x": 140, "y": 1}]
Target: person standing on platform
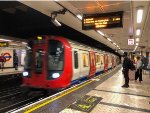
[
  {"x": 16, "y": 61},
  {"x": 138, "y": 73},
  {"x": 2, "y": 60},
  {"x": 126, "y": 66}
]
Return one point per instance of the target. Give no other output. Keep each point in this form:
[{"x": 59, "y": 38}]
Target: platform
[
  {"x": 9, "y": 71},
  {"x": 103, "y": 94}
]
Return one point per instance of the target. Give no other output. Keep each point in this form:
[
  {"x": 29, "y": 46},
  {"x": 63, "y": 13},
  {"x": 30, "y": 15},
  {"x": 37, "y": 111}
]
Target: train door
[
  {"x": 92, "y": 64},
  {"x": 84, "y": 63},
  {"x": 76, "y": 64},
  {"x": 105, "y": 62},
  {"x": 38, "y": 65}
]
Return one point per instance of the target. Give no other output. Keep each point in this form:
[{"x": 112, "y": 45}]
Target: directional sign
[{"x": 130, "y": 41}]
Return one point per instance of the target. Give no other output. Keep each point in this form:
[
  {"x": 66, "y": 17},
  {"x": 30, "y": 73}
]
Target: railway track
[{"x": 16, "y": 100}]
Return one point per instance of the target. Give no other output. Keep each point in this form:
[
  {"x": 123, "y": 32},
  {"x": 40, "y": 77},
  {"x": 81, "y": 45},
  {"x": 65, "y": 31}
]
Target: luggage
[{"x": 131, "y": 74}]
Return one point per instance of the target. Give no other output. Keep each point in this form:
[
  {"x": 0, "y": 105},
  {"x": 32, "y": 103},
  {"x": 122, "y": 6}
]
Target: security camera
[{"x": 55, "y": 22}]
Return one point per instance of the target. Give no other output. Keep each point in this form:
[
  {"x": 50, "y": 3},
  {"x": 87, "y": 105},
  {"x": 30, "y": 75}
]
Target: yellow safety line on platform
[{"x": 30, "y": 109}]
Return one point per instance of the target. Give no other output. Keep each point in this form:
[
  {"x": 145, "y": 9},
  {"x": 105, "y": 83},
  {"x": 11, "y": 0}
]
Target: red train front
[
  {"x": 44, "y": 63},
  {"x": 54, "y": 63}
]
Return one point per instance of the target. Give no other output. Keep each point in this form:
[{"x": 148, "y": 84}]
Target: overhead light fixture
[
  {"x": 137, "y": 44},
  {"x": 139, "y": 15},
  {"x": 138, "y": 31},
  {"x": 101, "y": 33},
  {"x": 5, "y": 40},
  {"x": 24, "y": 43},
  {"x": 114, "y": 43},
  {"x": 56, "y": 22},
  {"x": 79, "y": 16},
  {"x": 54, "y": 15},
  {"x": 137, "y": 40},
  {"x": 109, "y": 39}
]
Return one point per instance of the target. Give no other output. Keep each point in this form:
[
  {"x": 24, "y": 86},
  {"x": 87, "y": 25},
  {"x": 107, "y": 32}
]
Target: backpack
[
  {"x": 131, "y": 65},
  {"x": 144, "y": 63}
]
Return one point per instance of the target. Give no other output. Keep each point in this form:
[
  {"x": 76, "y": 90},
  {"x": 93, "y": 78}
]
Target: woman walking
[{"x": 138, "y": 74}]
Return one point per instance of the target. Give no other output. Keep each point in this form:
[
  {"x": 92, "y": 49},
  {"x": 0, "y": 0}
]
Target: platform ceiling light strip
[
  {"x": 101, "y": 33},
  {"x": 139, "y": 15},
  {"x": 137, "y": 44},
  {"x": 115, "y": 44},
  {"x": 79, "y": 16},
  {"x": 109, "y": 39},
  {"x": 138, "y": 31},
  {"x": 137, "y": 40},
  {"x": 5, "y": 40}
]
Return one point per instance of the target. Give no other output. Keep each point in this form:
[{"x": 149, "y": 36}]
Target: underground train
[{"x": 54, "y": 62}]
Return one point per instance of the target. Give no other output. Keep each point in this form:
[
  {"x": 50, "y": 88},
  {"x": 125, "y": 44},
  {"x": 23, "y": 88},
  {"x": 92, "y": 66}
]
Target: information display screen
[{"x": 102, "y": 21}]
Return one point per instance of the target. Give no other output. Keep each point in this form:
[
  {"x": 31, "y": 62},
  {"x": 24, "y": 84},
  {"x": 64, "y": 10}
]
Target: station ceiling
[
  {"x": 18, "y": 20},
  {"x": 21, "y": 22}
]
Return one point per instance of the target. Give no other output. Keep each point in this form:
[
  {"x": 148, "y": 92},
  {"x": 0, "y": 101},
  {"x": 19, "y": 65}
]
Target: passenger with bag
[
  {"x": 139, "y": 67},
  {"x": 132, "y": 70},
  {"x": 127, "y": 64}
]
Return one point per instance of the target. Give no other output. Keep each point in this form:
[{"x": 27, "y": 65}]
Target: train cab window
[
  {"x": 76, "y": 59},
  {"x": 55, "y": 55},
  {"x": 55, "y": 59},
  {"x": 28, "y": 60},
  {"x": 39, "y": 55},
  {"x": 85, "y": 58}
]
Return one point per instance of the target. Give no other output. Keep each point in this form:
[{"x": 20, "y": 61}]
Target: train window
[
  {"x": 76, "y": 59},
  {"x": 85, "y": 60},
  {"x": 39, "y": 55},
  {"x": 55, "y": 55},
  {"x": 28, "y": 60}
]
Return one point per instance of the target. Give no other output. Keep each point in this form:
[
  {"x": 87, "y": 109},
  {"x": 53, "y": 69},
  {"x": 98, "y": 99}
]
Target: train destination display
[{"x": 102, "y": 21}]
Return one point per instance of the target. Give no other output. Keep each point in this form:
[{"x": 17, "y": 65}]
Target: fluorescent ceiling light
[
  {"x": 137, "y": 39},
  {"x": 101, "y": 33},
  {"x": 109, "y": 39},
  {"x": 24, "y": 43},
  {"x": 138, "y": 31},
  {"x": 114, "y": 43},
  {"x": 13, "y": 44},
  {"x": 79, "y": 16},
  {"x": 137, "y": 43},
  {"x": 139, "y": 15},
  {"x": 5, "y": 40}
]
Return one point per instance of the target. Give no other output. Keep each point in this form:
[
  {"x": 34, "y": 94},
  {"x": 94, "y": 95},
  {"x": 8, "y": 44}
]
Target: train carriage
[{"x": 53, "y": 62}]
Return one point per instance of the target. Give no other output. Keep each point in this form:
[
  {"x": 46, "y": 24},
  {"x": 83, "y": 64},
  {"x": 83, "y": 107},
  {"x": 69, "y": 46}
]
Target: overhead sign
[
  {"x": 4, "y": 44},
  {"x": 101, "y": 21},
  {"x": 130, "y": 41}
]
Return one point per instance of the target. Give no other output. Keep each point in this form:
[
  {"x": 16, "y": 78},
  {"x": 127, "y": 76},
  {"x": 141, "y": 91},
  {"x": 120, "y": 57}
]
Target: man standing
[
  {"x": 126, "y": 67},
  {"x": 15, "y": 61}
]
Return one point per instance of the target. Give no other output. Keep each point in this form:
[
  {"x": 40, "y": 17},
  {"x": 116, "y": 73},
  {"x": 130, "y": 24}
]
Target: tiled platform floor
[
  {"x": 7, "y": 71},
  {"x": 135, "y": 99}
]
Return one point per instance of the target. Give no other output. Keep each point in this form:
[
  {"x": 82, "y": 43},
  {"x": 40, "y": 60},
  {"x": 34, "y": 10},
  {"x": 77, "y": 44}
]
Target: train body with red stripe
[{"x": 54, "y": 62}]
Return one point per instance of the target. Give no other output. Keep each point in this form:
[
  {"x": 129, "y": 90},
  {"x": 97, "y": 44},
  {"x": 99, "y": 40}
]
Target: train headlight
[
  {"x": 25, "y": 74},
  {"x": 55, "y": 75}
]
